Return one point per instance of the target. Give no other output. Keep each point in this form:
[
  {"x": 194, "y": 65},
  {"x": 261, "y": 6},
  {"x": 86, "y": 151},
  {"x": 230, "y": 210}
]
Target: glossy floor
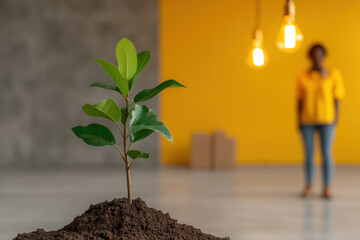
[{"x": 246, "y": 203}]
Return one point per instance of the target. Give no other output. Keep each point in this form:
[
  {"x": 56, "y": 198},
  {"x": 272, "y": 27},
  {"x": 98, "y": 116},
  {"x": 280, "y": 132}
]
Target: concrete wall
[{"x": 46, "y": 50}]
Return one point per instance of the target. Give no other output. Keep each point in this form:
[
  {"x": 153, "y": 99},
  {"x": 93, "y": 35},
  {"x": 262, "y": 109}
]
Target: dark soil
[{"x": 119, "y": 220}]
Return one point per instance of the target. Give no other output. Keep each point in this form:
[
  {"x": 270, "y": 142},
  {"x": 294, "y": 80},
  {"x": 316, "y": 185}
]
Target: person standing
[{"x": 319, "y": 91}]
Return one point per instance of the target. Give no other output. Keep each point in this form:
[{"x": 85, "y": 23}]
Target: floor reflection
[
  {"x": 317, "y": 219},
  {"x": 327, "y": 220}
]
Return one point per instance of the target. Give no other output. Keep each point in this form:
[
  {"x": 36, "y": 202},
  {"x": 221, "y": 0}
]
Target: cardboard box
[
  {"x": 200, "y": 150},
  {"x": 223, "y": 151}
]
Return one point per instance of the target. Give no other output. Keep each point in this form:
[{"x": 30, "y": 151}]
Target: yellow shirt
[{"x": 318, "y": 95}]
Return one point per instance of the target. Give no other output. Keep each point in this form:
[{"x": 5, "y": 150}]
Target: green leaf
[
  {"x": 143, "y": 58},
  {"x": 141, "y": 112},
  {"x": 115, "y": 75},
  {"x": 127, "y": 59},
  {"x": 144, "y": 119},
  {"x": 106, "y": 86},
  {"x": 141, "y": 134},
  {"x": 107, "y": 109},
  {"x": 153, "y": 125},
  {"x": 150, "y": 93},
  {"x": 131, "y": 108},
  {"x": 123, "y": 113},
  {"x": 95, "y": 135},
  {"x": 134, "y": 154}
]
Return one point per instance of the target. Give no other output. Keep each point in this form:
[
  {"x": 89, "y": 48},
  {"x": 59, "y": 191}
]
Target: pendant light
[
  {"x": 290, "y": 36},
  {"x": 257, "y": 57}
]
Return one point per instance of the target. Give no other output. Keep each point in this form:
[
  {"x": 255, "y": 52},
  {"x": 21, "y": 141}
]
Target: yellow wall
[{"x": 204, "y": 45}]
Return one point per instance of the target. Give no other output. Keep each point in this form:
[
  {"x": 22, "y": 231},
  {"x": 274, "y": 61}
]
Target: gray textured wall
[{"x": 46, "y": 66}]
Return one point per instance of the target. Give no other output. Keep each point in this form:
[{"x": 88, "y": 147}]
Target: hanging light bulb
[
  {"x": 290, "y": 36},
  {"x": 257, "y": 57}
]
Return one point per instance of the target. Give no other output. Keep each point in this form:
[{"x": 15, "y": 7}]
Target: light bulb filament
[
  {"x": 258, "y": 57},
  {"x": 290, "y": 36}
]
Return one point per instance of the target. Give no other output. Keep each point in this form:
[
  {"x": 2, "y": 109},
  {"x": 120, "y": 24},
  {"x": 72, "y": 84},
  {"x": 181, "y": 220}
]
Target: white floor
[{"x": 246, "y": 203}]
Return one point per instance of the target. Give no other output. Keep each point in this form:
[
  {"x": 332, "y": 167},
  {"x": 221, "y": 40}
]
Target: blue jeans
[{"x": 326, "y": 133}]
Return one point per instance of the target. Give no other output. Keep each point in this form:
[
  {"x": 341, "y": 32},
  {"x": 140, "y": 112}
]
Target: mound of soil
[{"x": 119, "y": 220}]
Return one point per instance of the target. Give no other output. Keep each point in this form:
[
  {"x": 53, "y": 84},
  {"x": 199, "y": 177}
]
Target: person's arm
[
  {"x": 299, "y": 107},
  {"x": 339, "y": 93},
  {"x": 337, "y": 106},
  {"x": 299, "y": 96}
]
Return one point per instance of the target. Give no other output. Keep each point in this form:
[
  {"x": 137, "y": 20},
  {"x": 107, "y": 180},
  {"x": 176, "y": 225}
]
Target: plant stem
[
  {"x": 128, "y": 179},
  {"x": 130, "y": 146},
  {"x": 122, "y": 156},
  {"x": 122, "y": 134}
]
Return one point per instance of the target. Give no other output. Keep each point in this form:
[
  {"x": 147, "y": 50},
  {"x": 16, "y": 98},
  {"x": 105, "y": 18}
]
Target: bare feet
[
  {"x": 307, "y": 192},
  {"x": 327, "y": 193}
]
